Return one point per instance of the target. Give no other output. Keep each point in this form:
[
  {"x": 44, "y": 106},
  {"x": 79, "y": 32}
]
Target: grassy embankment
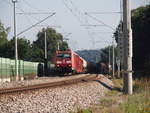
[{"x": 116, "y": 102}]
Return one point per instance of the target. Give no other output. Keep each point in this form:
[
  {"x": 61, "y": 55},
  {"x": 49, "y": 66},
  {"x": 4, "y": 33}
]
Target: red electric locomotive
[{"x": 69, "y": 62}]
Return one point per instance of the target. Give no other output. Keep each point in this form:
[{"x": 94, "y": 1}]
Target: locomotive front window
[
  {"x": 64, "y": 55},
  {"x": 67, "y": 55},
  {"x": 60, "y": 55}
]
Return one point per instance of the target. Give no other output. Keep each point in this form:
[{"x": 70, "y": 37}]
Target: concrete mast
[
  {"x": 15, "y": 36},
  {"x": 127, "y": 34}
]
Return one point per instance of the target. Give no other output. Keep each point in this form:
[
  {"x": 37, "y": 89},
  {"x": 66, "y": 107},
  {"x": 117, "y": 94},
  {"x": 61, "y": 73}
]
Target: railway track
[{"x": 47, "y": 85}]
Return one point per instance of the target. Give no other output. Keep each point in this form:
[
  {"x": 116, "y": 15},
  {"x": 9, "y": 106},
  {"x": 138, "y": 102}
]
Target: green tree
[
  {"x": 140, "y": 29},
  {"x": 105, "y": 54},
  {"x": 53, "y": 38},
  {"x": 24, "y": 49},
  {"x": 3, "y": 39},
  {"x": 141, "y": 40}
]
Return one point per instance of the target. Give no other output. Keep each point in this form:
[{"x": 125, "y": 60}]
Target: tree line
[{"x": 31, "y": 51}]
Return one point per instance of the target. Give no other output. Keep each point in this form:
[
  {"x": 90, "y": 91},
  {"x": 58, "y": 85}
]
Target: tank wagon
[{"x": 69, "y": 62}]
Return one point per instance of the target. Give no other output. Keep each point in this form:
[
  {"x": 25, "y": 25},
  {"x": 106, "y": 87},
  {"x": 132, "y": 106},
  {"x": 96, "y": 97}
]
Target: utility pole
[
  {"x": 120, "y": 47},
  {"x": 127, "y": 34},
  {"x": 120, "y": 42},
  {"x": 45, "y": 63},
  {"x": 109, "y": 64},
  {"x": 15, "y": 36},
  {"x": 45, "y": 44},
  {"x": 113, "y": 63},
  {"x": 58, "y": 48}
]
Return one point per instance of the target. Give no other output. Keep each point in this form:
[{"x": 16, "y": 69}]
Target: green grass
[
  {"x": 86, "y": 111},
  {"x": 118, "y": 82},
  {"x": 83, "y": 111},
  {"x": 112, "y": 93},
  {"x": 107, "y": 102},
  {"x": 139, "y": 102}
]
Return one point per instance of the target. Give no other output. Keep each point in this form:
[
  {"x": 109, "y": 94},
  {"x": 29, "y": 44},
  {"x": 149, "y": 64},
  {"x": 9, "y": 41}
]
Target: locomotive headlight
[
  {"x": 68, "y": 62},
  {"x": 59, "y": 62}
]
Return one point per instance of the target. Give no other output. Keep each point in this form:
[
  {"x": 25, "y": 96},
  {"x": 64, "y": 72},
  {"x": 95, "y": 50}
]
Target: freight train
[{"x": 69, "y": 62}]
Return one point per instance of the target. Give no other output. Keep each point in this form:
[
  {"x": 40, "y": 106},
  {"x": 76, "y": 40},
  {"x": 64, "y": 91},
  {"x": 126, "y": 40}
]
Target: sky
[{"x": 81, "y": 19}]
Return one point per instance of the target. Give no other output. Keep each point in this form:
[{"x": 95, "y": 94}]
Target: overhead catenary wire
[
  {"x": 113, "y": 38},
  {"x": 12, "y": 6},
  {"x": 36, "y": 24},
  {"x": 75, "y": 7},
  {"x": 79, "y": 19},
  {"x": 30, "y": 14},
  {"x": 27, "y": 16},
  {"x": 38, "y": 11},
  {"x": 66, "y": 5},
  {"x": 28, "y": 4},
  {"x": 19, "y": 9},
  {"x": 86, "y": 27},
  {"x": 91, "y": 33},
  {"x": 76, "y": 16},
  {"x": 25, "y": 13}
]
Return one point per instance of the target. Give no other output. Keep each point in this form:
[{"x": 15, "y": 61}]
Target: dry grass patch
[{"x": 116, "y": 102}]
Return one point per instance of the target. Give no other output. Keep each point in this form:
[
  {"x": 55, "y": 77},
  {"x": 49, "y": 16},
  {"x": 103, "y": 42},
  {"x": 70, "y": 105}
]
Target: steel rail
[{"x": 47, "y": 85}]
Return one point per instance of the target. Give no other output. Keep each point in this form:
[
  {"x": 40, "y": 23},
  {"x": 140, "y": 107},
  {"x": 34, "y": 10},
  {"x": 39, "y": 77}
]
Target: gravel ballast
[
  {"x": 55, "y": 100},
  {"x": 38, "y": 80}
]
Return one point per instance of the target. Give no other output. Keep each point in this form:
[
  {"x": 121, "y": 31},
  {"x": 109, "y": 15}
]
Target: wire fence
[{"x": 25, "y": 69}]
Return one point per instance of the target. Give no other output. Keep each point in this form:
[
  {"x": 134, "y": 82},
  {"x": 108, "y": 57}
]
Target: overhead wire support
[
  {"x": 101, "y": 32},
  {"x": 50, "y": 26},
  {"x": 68, "y": 34},
  {"x": 91, "y": 25},
  {"x": 104, "y": 12},
  {"x": 34, "y": 13},
  {"x": 100, "y": 21},
  {"x": 36, "y": 24}
]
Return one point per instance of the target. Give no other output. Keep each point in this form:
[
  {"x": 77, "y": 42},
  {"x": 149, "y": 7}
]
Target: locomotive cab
[{"x": 63, "y": 61}]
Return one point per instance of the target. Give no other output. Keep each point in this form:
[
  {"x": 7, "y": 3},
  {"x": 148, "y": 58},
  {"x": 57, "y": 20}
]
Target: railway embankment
[{"x": 62, "y": 99}]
